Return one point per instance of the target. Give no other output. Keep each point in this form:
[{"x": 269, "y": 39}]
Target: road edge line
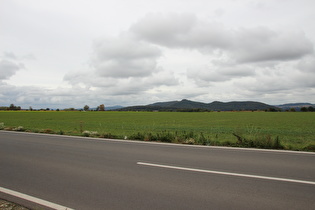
[
  {"x": 33, "y": 199},
  {"x": 167, "y": 144}
]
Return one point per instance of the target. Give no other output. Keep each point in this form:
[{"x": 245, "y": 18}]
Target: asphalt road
[{"x": 85, "y": 173}]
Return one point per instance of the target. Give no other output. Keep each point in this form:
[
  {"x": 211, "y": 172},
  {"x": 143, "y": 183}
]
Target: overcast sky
[{"x": 69, "y": 53}]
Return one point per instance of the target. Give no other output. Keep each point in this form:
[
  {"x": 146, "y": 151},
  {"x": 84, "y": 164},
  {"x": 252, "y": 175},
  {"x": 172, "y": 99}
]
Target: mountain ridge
[
  {"x": 296, "y": 106},
  {"x": 187, "y": 105}
]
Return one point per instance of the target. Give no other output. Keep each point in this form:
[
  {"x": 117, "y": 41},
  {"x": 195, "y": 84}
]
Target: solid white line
[
  {"x": 227, "y": 173},
  {"x": 166, "y": 144},
  {"x": 33, "y": 199}
]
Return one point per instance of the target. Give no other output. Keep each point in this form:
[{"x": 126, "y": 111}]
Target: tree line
[
  {"x": 308, "y": 109},
  {"x": 101, "y": 107},
  {"x": 12, "y": 107}
]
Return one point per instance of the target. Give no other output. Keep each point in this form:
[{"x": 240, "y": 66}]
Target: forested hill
[
  {"x": 187, "y": 105},
  {"x": 296, "y": 106}
]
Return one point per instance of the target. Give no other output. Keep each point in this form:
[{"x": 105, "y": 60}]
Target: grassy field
[{"x": 279, "y": 130}]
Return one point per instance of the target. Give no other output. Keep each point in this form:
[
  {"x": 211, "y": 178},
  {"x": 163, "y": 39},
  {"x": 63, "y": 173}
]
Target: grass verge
[{"x": 291, "y": 131}]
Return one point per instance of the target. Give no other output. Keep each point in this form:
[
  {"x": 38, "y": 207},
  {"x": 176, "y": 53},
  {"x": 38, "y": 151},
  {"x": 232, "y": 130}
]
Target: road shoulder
[{"x": 7, "y": 205}]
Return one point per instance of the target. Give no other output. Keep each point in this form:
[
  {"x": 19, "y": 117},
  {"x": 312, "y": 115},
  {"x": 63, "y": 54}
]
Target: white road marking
[
  {"x": 33, "y": 199},
  {"x": 163, "y": 144},
  {"x": 227, "y": 173}
]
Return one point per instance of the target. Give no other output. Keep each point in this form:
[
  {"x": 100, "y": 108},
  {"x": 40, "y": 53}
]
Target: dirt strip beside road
[{"x": 6, "y": 205}]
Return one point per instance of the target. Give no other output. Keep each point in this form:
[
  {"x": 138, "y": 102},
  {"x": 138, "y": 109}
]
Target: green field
[{"x": 288, "y": 130}]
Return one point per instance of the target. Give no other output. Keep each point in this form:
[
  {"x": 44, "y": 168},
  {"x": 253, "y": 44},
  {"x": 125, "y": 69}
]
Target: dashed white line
[
  {"x": 33, "y": 199},
  {"x": 227, "y": 173}
]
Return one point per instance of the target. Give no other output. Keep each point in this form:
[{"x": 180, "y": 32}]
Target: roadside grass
[{"x": 279, "y": 130}]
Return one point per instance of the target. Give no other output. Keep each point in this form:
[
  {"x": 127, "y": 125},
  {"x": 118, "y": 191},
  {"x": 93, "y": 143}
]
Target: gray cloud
[
  {"x": 124, "y": 57},
  {"x": 220, "y": 72},
  {"x": 281, "y": 78},
  {"x": 170, "y": 56},
  {"x": 304, "y": 74},
  {"x": 120, "y": 86},
  {"x": 9, "y": 68},
  {"x": 263, "y": 44},
  {"x": 122, "y": 66},
  {"x": 258, "y": 56},
  {"x": 249, "y": 59},
  {"x": 307, "y": 64},
  {"x": 88, "y": 79},
  {"x": 9, "y": 55},
  {"x": 181, "y": 30},
  {"x": 242, "y": 44},
  {"x": 41, "y": 97}
]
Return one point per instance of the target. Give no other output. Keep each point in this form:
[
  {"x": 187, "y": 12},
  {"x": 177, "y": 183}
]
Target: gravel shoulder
[{"x": 6, "y": 205}]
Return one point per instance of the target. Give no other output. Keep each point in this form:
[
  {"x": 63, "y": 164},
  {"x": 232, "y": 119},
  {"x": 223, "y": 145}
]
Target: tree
[
  {"x": 303, "y": 109},
  {"x": 86, "y": 108},
  {"x": 12, "y": 107},
  {"x": 311, "y": 109},
  {"x": 101, "y": 107}
]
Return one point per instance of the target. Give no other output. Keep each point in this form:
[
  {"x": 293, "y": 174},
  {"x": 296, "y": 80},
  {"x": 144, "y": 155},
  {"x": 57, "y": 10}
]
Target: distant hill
[
  {"x": 187, "y": 105},
  {"x": 183, "y": 104},
  {"x": 108, "y": 108},
  {"x": 296, "y": 106},
  {"x": 113, "y": 107}
]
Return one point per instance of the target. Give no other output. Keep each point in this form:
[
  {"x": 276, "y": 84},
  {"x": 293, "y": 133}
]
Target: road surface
[{"x": 86, "y": 173}]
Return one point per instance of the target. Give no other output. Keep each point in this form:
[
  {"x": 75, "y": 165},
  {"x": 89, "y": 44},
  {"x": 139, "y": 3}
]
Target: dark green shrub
[
  {"x": 111, "y": 136},
  {"x": 277, "y": 144},
  {"x": 165, "y": 136},
  {"x": 49, "y": 131},
  {"x": 137, "y": 136},
  {"x": 310, "y": 148}
]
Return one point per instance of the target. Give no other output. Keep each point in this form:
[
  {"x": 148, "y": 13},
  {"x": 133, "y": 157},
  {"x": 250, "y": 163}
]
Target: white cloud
[{"x": 167, "y": 50}]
